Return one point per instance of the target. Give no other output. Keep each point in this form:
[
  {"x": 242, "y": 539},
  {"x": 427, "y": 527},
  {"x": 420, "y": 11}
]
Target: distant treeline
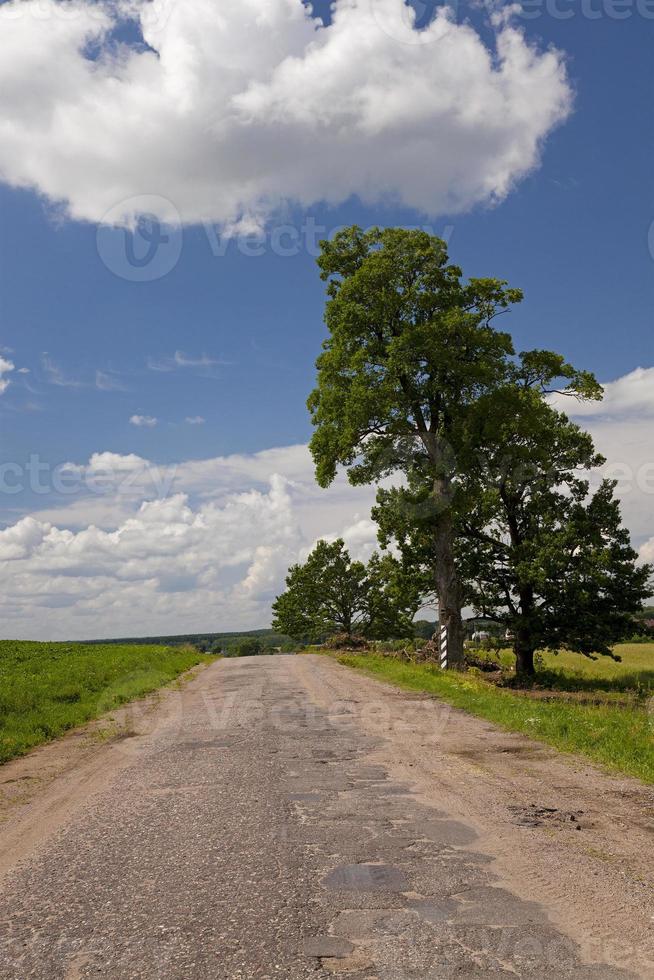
[
  {"x": 208, "y": 641},
  {"x": 266, "y": 639}
]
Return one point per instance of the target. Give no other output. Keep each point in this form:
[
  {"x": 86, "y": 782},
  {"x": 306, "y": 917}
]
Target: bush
[
  {"x": 250, "y": 647},
  {"x": 482, "y": 663},
  {"x": 398, "y": 646},
  {"x": 347, "y": 641}
]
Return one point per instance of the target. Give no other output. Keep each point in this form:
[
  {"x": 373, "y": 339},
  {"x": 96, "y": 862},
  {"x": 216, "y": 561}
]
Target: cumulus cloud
[
  {"x": 646, "y": 553},
  {"x": 628, "y": 445},
  {"x": 20, "y": 540},
  {"x": 267, "y": 105},
  {"x": 360, "y": 538},
  {"x": 184, "y": 561},
  {"x": 6, "y": 366},
  {"x": 148, "y": 421},
  {"x": 116, "y": 462},
  {"x": 195, "y": 420},
  {"x": 630, "y": 395}
]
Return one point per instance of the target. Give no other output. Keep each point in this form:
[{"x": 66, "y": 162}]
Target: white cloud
[
  {"x": 360, "y": 538},
  {"x": 6, "y": 366},
  {"x": 20, "y": 540},
  {"x": 195, "y": 420},
  {"x": 630, "y": 395},
  {"x": 267, "y": 106},
  {"x": 149, "y": 421},
  {"x": 116, "y": 463},
  {"x": 646, "y": 552},
  {"x": 184, "y": 562},
  {"x": 628, "y": 445}
]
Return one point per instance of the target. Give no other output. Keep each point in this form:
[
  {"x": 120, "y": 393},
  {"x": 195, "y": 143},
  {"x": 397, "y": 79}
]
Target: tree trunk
[
  {"x": 450, "y": 592},
  {"x": 524, "y": 646},
  {"x": 449, "y": 587},
  {"x": 524, "y": 660}
]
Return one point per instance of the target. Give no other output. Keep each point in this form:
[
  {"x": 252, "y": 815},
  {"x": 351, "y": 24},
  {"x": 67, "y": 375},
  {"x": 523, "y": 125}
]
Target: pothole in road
[
  {"x": 448, "y": 832},
  {"x": 320, "y": 946},
  {"x": 433, "y": 910},
  {"x": 366, "y": 878},
  {"x": 537, "y": 816}
]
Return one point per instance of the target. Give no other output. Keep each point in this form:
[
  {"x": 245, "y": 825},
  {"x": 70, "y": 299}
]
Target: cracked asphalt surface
[{"x": 254, "y": 830}]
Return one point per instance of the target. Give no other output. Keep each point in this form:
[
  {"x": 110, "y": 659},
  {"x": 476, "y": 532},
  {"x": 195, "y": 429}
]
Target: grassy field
[
  {"x": 603, "y": 710},
  {"x": 635, "y": 671},
  {"x": 47, "y": 688}
]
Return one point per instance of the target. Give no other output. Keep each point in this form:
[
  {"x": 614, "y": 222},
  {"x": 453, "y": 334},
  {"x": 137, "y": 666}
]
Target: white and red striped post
[{"x": 443, "y": 647}]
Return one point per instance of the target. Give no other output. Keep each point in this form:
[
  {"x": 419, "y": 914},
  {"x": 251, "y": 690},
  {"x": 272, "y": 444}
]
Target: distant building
[{"x": 479, "y": 624}]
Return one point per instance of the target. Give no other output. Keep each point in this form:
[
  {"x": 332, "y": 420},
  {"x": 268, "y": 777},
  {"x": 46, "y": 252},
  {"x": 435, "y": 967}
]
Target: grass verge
[
  {"x": 48, "y": 688},
  {"x": 620, "y": 738}
]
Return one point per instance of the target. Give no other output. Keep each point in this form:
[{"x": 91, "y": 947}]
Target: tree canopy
[
  {"x": 330, "y": 593},
  {"x": 541, "y": 553}
]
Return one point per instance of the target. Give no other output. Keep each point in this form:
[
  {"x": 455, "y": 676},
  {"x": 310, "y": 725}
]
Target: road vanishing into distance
[{"x": 286, "y": 817}]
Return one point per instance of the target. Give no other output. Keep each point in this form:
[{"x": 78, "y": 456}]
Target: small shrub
[
  {"x": 482, "y": 663},
  {"x": 347, "y": 641}
]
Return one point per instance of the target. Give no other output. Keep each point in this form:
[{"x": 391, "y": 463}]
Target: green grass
[
  {"x": 48, "y": 688},
  {"x": 635, "y": 672},
  {"x": 620, "y": 736}
]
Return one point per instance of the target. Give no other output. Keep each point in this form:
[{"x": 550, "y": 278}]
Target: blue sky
[{"x": 231, "y": 338}]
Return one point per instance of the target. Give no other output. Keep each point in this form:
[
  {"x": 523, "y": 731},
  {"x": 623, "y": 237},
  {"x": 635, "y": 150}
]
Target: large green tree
[
  {"x": 538, "y": 552},
  {"x": 541, "y": 552},
  {"x": 330, "y": 593},
  {"x": 410, "y": 349}
]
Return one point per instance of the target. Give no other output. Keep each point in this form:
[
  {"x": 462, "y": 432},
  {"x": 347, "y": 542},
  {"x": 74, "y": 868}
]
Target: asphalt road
[{"x": 255, "y": 827}]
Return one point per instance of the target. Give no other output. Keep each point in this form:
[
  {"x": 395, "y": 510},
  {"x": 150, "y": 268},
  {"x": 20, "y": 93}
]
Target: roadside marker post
[{"x": 443, "y": 647}]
